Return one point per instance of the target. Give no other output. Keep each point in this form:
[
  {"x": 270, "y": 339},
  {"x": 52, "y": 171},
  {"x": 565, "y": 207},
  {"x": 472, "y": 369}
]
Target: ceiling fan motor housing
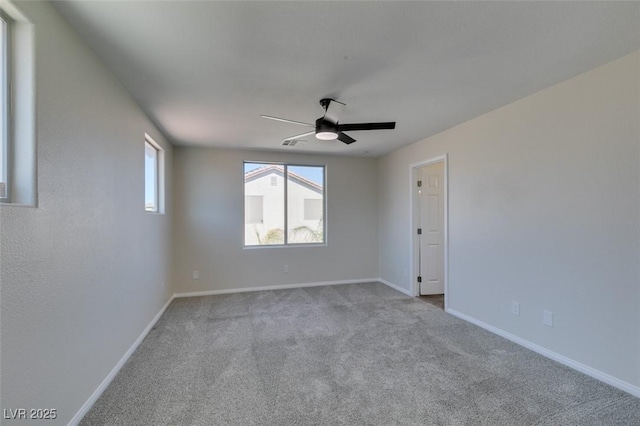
[
  {"x": 323, "y": 125},
  {"x": 326, "y": 130}
]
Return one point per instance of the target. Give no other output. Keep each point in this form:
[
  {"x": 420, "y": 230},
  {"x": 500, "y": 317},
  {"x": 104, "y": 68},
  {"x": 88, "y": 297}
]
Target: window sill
[
  {"x": 10, "y": 204},
  {"x": 265, "y": 246}
]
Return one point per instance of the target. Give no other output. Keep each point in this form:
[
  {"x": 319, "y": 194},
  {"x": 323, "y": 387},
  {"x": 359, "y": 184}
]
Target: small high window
[
  {"x": 18, "y": 177},
  {"x": 5, "y": 31},
  {"x": 152, "y": 175}
]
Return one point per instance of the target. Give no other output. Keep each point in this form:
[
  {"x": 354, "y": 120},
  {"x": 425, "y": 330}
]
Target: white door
[{"x": 431, "y": 225}]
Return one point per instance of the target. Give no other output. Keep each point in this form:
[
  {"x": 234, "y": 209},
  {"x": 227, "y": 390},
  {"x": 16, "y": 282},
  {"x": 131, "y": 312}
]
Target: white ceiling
[{"x": 205, "y": 71}]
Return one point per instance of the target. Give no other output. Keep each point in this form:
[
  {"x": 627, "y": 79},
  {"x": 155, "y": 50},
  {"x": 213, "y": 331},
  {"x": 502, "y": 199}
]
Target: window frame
[
  {"x": 286, "y": 243},
  {"x": 5, "y": 81},
  {"x": 159, "y": 172}
]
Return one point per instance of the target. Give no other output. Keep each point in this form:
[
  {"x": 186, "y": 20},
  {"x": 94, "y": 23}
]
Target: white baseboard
[
  {"x": 105, "y": 383},
  {"x": 395, "y": 287},
  {"x": 272, "y": 287},
  {"x": 589, "y": 371}
]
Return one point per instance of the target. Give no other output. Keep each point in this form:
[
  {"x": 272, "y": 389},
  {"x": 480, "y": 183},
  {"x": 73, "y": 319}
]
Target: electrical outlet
[
  {"x": 196, "y": 275},
  {"x": 285, "y": 269},
  {"x": 515, "y": 308},
  {"x": 547, "y": 318}
]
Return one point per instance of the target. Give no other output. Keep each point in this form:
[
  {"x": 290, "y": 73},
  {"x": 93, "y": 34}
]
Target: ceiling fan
[{"x": 328, "y": 126}]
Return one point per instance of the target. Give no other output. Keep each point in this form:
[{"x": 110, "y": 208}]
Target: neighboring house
[{"x": 265, "y": 204}]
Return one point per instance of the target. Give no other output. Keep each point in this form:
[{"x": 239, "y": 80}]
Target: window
[
  {"x": 153, "y": 157},
  {"x": 5, "y": 28},
  {"x": 288, "y": 214},
  {"x": 18, "y": 178}
]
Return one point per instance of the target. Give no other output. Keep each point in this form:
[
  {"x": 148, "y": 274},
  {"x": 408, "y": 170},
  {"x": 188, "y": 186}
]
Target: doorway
[{"x": 429, "y": 230}]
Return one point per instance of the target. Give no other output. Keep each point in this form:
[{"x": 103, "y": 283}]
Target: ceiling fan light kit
[
  {"x": 326, "y": 136},
  {"x": 328, "y": 128},
  {"x": 325, "y": 131}
]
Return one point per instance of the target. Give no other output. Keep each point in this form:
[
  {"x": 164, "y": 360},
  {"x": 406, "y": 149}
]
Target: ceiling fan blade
[
  {"x": 367, "y": 126},
  {"x": 345, "y": 138},
  {"x": 284, "y": 120},
  {"x": 333, "y": 111},
  {"x": 301, "y": 135}
]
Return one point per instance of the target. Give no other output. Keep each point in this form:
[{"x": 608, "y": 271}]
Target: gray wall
[
  {"x": 209, "y": 224},
  {"x": 85, "y": 271},
  {"x": 544, "y": 210}
]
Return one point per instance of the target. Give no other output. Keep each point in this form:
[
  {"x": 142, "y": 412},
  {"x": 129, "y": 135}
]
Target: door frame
[{"x": 413, "y": 173}]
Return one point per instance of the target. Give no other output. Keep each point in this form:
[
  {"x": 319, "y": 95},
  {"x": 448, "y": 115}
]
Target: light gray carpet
[{"x": 360, "y": 354}]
